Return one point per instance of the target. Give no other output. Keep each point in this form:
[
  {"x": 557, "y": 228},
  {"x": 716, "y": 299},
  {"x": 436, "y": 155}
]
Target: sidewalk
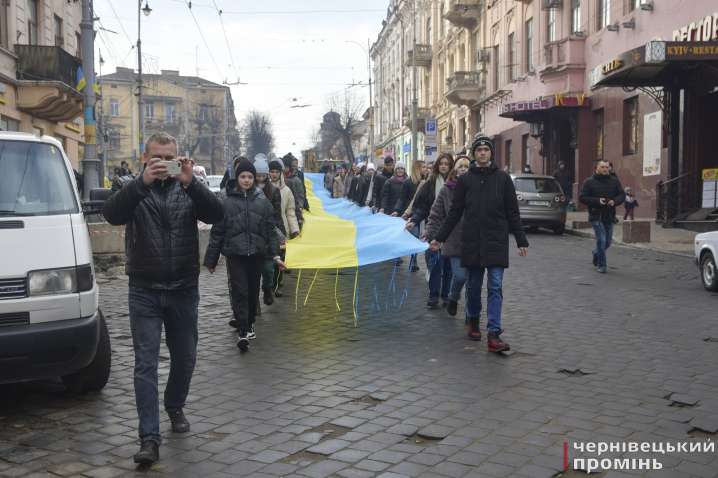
[{"x": 670, "y": 240}]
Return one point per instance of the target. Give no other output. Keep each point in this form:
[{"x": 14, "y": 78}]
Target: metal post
[
  {"x": 186, "y": 120},
  {"x": 414, "y": 149},
  {"x": 140, "y": 99},
  {"x": 371, "y": 107},
  {"x": 102, "y": 156},
  {"x": 90, "y": 163},
  {"x": 226, "y": 129}
]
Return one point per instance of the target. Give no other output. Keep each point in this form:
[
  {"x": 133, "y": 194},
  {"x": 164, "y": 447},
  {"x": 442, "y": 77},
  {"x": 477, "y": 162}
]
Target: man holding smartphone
[
  {"x": 160, "y": 211},
  {"x": 602, "y": 192}
]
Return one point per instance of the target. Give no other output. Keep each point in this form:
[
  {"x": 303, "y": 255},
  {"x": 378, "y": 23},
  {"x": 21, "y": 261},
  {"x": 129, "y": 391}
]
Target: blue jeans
[
  {"x": 439, "y": 275},
  {"x": 604, "y": 237},
  {"x": 458, "y": 278},
  {"x": 494, "y": 299},
  {"x": 268, "y": 273},
  {"x": 149, "y": 310}
]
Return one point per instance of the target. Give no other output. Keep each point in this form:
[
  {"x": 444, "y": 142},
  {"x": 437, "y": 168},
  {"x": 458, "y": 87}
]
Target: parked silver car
[{"x": 542, "y": 203}]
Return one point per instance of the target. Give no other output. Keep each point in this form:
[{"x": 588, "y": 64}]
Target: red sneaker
[
  {"x": 496, "y": 344},
  {"x": 474, "y": 332}
]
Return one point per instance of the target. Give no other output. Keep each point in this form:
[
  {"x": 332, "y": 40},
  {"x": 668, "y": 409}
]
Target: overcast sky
[{"x": 281, "y": 53}]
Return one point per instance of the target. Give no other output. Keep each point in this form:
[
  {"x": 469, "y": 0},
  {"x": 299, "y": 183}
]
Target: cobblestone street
[{"x": 626, "y": 356}]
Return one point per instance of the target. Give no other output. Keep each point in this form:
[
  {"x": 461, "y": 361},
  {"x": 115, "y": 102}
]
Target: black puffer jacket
[
  {"x": 565, "y": 180},
  {"x": 161, "y": 236},
  {"x": 381, "y": 179},
  {"x": 408, "y": 190},
  {"x": 276, "y": 203},
  {"x": 366, "y": 181},
  {"x": 487, "y": 199},
  {"x": 390, "y": 195},
  {"x": 599, "y": 186},
  {"x": 246, "y": 230}
]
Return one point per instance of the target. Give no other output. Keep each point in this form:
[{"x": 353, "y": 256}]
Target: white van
[{"x": 50, "y": 322}]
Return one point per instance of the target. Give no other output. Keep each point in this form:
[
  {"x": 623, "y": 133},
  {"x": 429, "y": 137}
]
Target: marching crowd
[{"x": 464, "y": 207}]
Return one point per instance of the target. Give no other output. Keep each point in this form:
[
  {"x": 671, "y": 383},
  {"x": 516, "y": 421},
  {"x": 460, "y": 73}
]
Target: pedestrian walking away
[
  {"x": 602, "y": 192},
  {"x": 439, "y": 269},
  {"x": 244, "y": 236},
  {"x": 486, "y": 197},
  {"x": 630, "y": 204},
  {"x": 451, "y": 249},
  {"x": 160, "y": 214}
]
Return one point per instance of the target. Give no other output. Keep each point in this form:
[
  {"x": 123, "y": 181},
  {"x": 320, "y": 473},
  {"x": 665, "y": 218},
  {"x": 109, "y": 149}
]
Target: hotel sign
[{"x": 513, "y": 109}]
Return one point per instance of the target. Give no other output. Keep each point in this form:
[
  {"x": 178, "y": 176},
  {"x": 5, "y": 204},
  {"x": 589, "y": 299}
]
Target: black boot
[
  {"x": 452, "y": 307},
  {"x": 268, "y": 297},
  {"x": 180, "y": 424}
]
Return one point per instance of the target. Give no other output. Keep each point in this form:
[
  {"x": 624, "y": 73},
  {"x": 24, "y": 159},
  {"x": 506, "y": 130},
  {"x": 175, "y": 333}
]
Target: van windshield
[{"x": 34, "y": 180}]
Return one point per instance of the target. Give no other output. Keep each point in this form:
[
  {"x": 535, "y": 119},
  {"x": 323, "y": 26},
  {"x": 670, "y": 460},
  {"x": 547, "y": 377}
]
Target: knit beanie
[
  {"x": 260, "y": 157},
  {"x": 482, "y": 140},
  {"x": 371, "y": 167},
  {"x": 287, "y": 159},
  {"x": 380, "y": 163},
  {"x": 261, "y": 166},
  {"x": 400, "y": 164},
  {"x": 276, "y": 165},
  {"x": 244, "y": 166}
]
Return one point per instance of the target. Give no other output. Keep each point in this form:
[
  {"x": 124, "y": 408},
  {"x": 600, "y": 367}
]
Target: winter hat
[
  {"x": 482, "y": 140},
  {"x": 276, "y": 165},
  {"x": 287, "y": 160},
  {"x": 627, "y": 190},
  {"x": 360, "y": 165},
  {"x": 271, "y": 157},
  {"x": 400, "y": 164},
  {"x": 261, "y": 166},
  {"x": 560, "y": 163},
  {"x": 260, "y": 157},
  {"x": 370, "y": 166},
  {"x": 245, "y": 166}
]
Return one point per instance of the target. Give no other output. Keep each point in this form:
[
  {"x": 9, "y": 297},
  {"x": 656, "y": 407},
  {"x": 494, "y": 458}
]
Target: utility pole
[
  {"x": 90, "y": 163},
  {"x": 102, "y": 155},
  {"x": 371, "y": 107},
  {"x": 414, "y": 149},
  {"x": 186, "y": 119},
  {"x": 226, "y": 128},
  {"x": 140, "y": 100}
]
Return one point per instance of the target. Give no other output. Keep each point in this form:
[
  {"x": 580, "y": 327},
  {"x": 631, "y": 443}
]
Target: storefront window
[
  {"x": 525, "y": 150},
  {"x": 508, "y": 160},
  {"x": 599, "y": 134}
]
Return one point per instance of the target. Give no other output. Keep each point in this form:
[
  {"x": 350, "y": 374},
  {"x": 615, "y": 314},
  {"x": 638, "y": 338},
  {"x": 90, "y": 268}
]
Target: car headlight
[{"x": 60, "y": 281}]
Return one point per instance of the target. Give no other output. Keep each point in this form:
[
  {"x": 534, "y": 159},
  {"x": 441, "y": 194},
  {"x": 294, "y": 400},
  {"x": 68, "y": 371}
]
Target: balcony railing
[
  {"x": 424, "y": 56},
  {"x": 465, "y": 14},
  {"x": 464, "y": 88},
  {"x": 46, "y": 63},
  {"x": 421, "y": 115},
  {"x": 677, "y": 196}
]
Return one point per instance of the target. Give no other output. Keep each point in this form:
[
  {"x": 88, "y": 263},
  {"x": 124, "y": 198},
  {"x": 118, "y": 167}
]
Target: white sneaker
[{"x": 251, "y": 335}]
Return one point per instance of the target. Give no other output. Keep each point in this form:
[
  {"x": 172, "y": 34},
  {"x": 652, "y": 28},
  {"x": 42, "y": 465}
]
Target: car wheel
[
  {"x": 94, "y": 375},
  {"x": 709, "y": 273},
  {"x": 559, "y": 230}
]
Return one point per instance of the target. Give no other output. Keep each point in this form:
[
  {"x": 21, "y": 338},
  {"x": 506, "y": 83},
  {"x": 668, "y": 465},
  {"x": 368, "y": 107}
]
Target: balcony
[
  {"x": 465, "y": 15},
  {"x": 424, "y": 56},
  {"x": 48, "y": 76},
  {"x": 421, "y": 115},
  {"x": 563, "y": 65},
  {"x": 464, "y": 88}
]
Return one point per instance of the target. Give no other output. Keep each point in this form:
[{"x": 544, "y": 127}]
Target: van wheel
[
  {"x": 709, "y": 273},
  {"x": 94, "y": 375},
  {"x": 559, "y": 230}
]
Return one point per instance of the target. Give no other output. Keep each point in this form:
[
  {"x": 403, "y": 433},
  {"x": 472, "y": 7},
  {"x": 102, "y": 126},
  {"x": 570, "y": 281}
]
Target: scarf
[
  {"x": 398, "y": 179},
  {"x": 450, "y": 183},
  {"x": 439, "y": 183}
]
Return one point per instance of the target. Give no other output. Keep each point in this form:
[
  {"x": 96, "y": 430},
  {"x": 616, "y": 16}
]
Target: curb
[{"x": 589, "y": 235}]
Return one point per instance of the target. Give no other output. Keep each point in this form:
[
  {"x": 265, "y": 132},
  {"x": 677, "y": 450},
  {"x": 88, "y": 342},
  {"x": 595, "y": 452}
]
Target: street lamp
[
  {"x": 140, "y": 101},
  {"x": 371, "y": 109}
]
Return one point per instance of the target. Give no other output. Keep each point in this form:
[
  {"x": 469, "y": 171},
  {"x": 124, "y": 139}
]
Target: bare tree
[
  {"x": 257, "y": 134},
  {"x": 342, "y": 124},
  {"x": 207, "y": 128}
]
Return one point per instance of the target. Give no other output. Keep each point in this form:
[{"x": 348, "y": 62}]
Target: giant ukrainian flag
[{"x": 338, "y": 234}]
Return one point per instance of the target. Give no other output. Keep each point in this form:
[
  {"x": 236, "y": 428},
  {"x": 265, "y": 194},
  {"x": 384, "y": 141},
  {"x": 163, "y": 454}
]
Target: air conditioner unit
[
  {"x": 482, "y": 56},
  {"x": 547, "y": 4}
]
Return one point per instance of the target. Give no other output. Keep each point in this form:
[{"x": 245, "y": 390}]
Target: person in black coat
[
  {"x": 387, "y": 171},
  {"x": 486, "y": 197},
  {"x": 391, "y": 190},
  {"x": 367, "y": 187},
  {"x": 565, "y": 180},
  {"x": 355, "y": 187},
  {"x": 245, "y": 236},
  {"x": 602, "y": 192},
  {"x": 160, "y": 214}
]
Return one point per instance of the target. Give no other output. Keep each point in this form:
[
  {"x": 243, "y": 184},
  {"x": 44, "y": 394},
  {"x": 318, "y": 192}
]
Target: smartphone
[{"x": 173, "y": 167}]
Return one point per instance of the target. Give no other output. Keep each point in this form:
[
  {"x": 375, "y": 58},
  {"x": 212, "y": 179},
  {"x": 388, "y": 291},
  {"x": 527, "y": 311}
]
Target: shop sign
[
  {"x": 430, "y": 136},
  {"x": 710, "y": 187},
  {"x": 705, "y": 29},
  {"x": 628, "y": 59}
]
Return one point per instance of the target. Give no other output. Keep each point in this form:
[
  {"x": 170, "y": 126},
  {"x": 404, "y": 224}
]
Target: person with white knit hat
[{"x": 392, "y": 190}]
